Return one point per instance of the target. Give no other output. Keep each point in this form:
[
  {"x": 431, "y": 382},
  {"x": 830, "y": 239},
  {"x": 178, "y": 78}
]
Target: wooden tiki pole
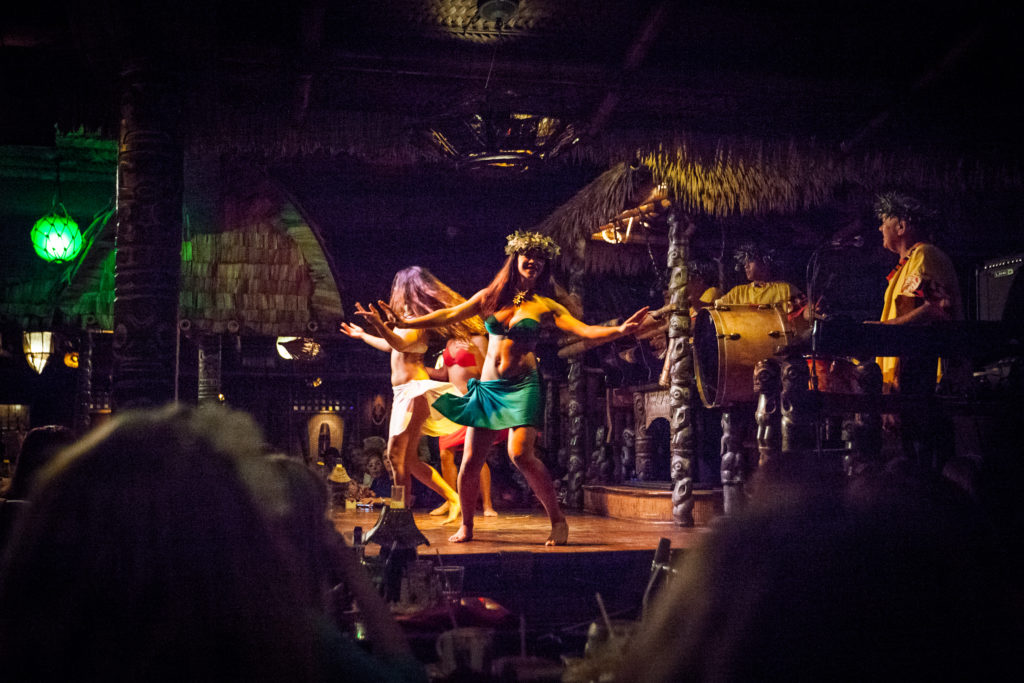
[
  {"x": 680, "y": 393},
  {"x": 148, "y": 238}
]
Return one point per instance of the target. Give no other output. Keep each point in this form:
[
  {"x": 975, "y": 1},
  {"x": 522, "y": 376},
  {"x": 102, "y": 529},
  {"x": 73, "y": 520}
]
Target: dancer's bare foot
[
  {"x": 454, "y": 513},
  {"x": 464, "y": 534},
  {"x": 490, "y": 512},
  {"x": 559, "y": 533},
  {"x": 440, "y": 509}
]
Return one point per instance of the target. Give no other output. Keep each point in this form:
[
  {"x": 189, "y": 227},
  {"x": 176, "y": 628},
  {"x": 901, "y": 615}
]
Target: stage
[{"x": 525, "y": 531}]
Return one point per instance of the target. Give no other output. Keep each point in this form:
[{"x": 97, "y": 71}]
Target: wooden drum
[{"x": 728, "y": 341}]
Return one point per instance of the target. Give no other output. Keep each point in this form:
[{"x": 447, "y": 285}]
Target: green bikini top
[{"x": 525, "y": 331}]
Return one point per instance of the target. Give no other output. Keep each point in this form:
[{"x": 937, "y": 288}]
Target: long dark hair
[{"x": 507, "y": 283}]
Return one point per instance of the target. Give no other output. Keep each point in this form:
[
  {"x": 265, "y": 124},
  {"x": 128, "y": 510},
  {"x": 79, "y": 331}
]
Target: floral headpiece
[
  {"x": 903, "y": 207},
  {"x": 753, "y": 252},
  {"x": 522, "y": 241}
]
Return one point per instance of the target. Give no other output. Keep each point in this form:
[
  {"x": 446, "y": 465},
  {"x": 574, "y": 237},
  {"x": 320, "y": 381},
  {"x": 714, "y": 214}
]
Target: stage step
[{"x": 648, "y": 501}]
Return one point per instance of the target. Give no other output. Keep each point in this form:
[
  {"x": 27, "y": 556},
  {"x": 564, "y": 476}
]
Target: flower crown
[{"x": 523, "y": 241}]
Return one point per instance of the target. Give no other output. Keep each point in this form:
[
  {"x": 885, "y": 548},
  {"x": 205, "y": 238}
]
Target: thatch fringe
[
  {"x": 570, "y": 225},
  {"x": 723, "y": 176}
]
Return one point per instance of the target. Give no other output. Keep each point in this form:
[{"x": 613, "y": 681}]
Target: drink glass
[
  {"x": 397, "y": 496},
  {"x": 450, "y": 578}
]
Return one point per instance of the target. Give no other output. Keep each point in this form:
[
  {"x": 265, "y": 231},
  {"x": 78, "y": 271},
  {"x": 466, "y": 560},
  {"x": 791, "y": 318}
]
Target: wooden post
[
  {"x": 83, "y": 399},
  {"x": 768, "y": 385},
  {"x": 576, "y": 391},
  {"x": 643, "y": 454},
  {"x": 680, "y": 393},
  {"x": 798, "y": 420},
  {"x": 148, "y": 237}
]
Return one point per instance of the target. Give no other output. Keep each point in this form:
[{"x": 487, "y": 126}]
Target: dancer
[
  {"x": 508, "y": 394},
  {"x": 414, "y": 291},
  {"x": 462, "y": 361}
]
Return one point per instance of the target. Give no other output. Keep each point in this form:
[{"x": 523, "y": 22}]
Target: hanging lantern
[
  {"x": 38, "y": 346},
  {"x": 56, "y": 236}
]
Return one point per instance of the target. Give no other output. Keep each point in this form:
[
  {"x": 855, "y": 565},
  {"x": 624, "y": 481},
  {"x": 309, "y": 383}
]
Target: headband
[{"x": 522, "y": 241}]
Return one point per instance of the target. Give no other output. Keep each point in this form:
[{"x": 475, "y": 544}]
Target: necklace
[{"x": 520, "y": 297}]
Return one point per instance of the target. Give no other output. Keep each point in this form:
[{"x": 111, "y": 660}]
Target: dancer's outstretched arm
[
  {"x": 398, "y": 339},
  {"x": 567, "y": 323},
  {"x": 357, "y": 332},
  {"x": 438, "y": 318}
]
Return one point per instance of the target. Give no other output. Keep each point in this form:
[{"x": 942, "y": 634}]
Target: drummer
[{"x": 756, "y": 263}]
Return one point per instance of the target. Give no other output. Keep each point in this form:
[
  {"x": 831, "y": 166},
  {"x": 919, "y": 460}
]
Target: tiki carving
[
  {"x": 627, "y": 458},
  {"x": 644, "y": 450},
  {"x": 768, "y": 385},
  {"x": 83, "y": 399},
  {"x": 551, "y": 414},
  {"x": 681, "y": 448},
  {"x": 209, "y": 368},
  {"x": 798, "y": 424},
  {"x": 576, "y": 391},
  {"x": 148, "y": 238},
  {"x": 602, "y": 460},
  {"x": 736, "y": 466}
]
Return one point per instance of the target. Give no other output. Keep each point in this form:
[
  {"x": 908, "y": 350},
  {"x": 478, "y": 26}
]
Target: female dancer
[
  {"x": 462, "y": 361},
  {"x": 508, "y": 394},
  {"x": 415, "y": 291}
]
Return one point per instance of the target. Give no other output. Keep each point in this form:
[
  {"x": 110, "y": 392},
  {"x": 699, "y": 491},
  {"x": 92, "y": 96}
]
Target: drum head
[{"x": 705, "y": 353}]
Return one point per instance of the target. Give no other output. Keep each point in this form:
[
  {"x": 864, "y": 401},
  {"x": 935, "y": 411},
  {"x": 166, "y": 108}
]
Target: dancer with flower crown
[{"x": 508, "y": 395}]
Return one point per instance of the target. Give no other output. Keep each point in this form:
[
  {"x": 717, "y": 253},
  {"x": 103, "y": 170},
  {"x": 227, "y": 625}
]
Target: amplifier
[{"x": 1001, "y": 289}]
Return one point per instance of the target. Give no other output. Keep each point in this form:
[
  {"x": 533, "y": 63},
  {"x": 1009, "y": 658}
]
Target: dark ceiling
[
  {"x": 915, "y": 73},
  {"x": 856, "y": 77}
]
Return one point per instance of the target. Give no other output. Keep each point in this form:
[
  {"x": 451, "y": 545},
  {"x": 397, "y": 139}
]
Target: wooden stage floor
[{"x": 526, "y": 530}]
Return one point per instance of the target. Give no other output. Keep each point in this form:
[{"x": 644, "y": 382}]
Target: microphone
[{"x": 855, "y": 241}]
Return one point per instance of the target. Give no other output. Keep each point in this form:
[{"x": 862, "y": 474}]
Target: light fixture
[
  {"x": 498, "y": 11},
  {"x": 55, "y": 236},
  {"x": 297, "y": 348},
  {"x": 495, "y": 130},
  {"x": 38, "y": 346}
]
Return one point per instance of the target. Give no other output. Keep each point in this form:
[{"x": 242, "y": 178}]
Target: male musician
[
  {"x": 756, "y": 263},
  {"x": 922, "y": 289},
  {"x": 738, "y": 459},
  {"x": 923, "y": 286}
]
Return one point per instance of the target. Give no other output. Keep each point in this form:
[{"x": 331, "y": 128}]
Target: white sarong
[{"x": 436, "y": 424}]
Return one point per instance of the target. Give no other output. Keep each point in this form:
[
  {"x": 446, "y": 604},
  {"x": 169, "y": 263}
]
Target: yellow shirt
[
  {"x": 756, "y": 293},
  {"x": 926, "y": 274},
  {"x": 710, "y": 295}
]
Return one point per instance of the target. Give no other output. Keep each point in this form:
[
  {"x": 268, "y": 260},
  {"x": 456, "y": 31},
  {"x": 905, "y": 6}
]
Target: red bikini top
[{"x": 463, "y": 357}]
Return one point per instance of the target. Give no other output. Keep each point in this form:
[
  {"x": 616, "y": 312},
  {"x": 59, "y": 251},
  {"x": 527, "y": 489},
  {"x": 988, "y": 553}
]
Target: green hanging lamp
[{"x": 56, "y": 236}]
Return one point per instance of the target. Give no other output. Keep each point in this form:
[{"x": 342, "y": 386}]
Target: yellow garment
[
  {"x": 710, "y": 295},
  {"x": 755, "y": 293},
  {"x": 928, "y": 275}
]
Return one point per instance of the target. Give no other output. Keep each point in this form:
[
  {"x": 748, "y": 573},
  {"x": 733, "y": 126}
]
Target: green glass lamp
[{"x": 56, "y": 236}]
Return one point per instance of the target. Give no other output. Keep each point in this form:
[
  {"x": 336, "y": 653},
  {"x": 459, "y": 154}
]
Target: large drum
[{"x": 728, "y": 341}]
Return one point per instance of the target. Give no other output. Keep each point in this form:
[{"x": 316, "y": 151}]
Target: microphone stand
[{"x": 813, "y": 266}]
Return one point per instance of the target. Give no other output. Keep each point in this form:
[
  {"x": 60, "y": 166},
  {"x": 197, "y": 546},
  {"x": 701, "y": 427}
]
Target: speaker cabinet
[{"x": 1001, "y": 289}]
